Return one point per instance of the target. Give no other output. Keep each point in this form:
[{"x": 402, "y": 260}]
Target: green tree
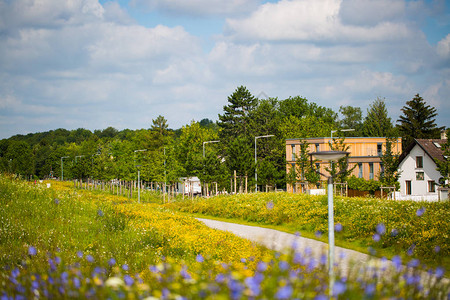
[
  {"x": 340, "y": 170},
  {"x": 418, "y": 121},
  {"x": 20, "y": 158},
  {"x": 390, "y": 173},
  {"x": 443, "y": 166},
  {"x": 160, "y": 125},
  {"x": 377, "y": 123},
  {"x": 352, "y": 118},
  {"x": 235, "y": 132}
]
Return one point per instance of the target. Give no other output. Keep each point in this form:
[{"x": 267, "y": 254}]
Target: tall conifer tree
[{"x": 418, "y": 121}]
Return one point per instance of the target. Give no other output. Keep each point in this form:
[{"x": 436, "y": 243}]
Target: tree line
[{"x": 210, "y": 150}]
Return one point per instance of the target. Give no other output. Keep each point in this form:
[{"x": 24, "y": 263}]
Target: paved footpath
[{"x": 279, "y": 241}]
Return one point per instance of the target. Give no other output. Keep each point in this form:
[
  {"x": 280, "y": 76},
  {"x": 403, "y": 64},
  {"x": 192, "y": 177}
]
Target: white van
[{"x": 189, "y": 185}]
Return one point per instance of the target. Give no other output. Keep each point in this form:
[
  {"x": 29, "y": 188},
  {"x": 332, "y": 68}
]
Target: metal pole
[
  {"x": 139, "y": 186},
  {"x": 330, "y": 234}
]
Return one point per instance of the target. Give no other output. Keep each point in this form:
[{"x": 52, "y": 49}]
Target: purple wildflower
[
  {"x": 56, "y": 201},
  {"x": 381, "y": 229},
  {"x": 339, "y": 288},
  {"x": 32, "y": 251},
  {"x": 321, "y": 297},
  {"x": 376, "y": 237},
  {"x": 283, "y": 265},
  {"x": 261, "y": 267},
  {"x": 323, "y": 259},
  {"x": 199, "y": 258},
  {"x": 254, "y": 285},
  {"x": 89, "y": 258},
  {"x": 100, "y": 213},
  {"x": 420, "y": 211},
  {"x": 338, "y": 227},
  {"x": 284, "y": 292},
  {"x": 185, "y": 274},
  {"x": 439, "y": 272},
  {"x": 76, "y": 282},
  {"x": 414, "y": 263},
  {"x": 397, "y": 261},
  {"x": 128, "y": 280},
  {"x": 437, "y": 249},
  {"x": 220, "y": 278},
  {"x": 125, "y": 267},
  {"x": 318, "y": 233},
  {"x": 57, "y": 260},
  {"x": 270, "y": 205},
  {"x": 411, "y": 249},
  {"x": 370, "y": 289},
  {"x": 112, "y": 262},
  {"x": 80, "y": 254},
  {"x": 394, "y": 232}
]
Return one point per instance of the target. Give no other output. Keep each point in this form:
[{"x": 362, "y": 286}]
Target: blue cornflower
[
  {"x": 32, "y": 251},
  {"x": 57, "y": 260},
  {"x": 312, "y": 264},
  {"x": 270, "y": 205},
  {"x": 323, "y": 259},
  {"x": 76, "y": 282},
  {"x": 112, "y": 262},
  {"x": 199, "y": 258},
  {"x": 243, "y": 260},
  {"x": 125, "y": 267},
  {"x": 437, "y": 249},
  {"x": 100, "y": 213},
  {"x": 338, "y": 227},
  {"x": 318, "y": 233},
  {"x": 394, "y": 232},
  {"x": 184, "y": 273},
  {"x": 370, "y": 289},
  {"x": 283, "y": 265},
  {"x": 15, "y": 273},
  {"x": 89, "y": 258},
  {"x": 321, "y": 297},
  {"x": 261, "y": 266},
  {"x": 381, "y": 229},
  {"x": 397, "y": 261},
  {"x": 414, "y": 263},
  {"x": 64, "y": 277},
  {"x": 220, "y": 278},
  {"x": 376, "y": 237},
  {"x": 339, "y": 288},
  {"x": 439, "y": 272},
  {"x": 236, "y": 289},
  {"x": 56, "y": 201},
  {"x": 284, "y": 292},
  {"x": 254, "y": 285},
  {"x": 80, "y": 254},
  {"x": 128, "y": 280},
  {"x": 420, "y": 211},
  {"x": 411, "y": 249}
]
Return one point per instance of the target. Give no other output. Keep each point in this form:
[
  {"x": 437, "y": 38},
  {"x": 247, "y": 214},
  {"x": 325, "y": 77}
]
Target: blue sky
[{"x": 94, "y": 64}]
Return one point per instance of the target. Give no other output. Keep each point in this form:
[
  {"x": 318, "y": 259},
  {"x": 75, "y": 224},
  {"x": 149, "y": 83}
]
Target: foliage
[
  {"x": 352, "y": 118},
  {"x": 417, "y": 229},
  {"x": 160, "y": 125},
  {"x": 340, "y": 170},
  {"x": 389, "y": 176},
  {"x": 377, "y": 123},
  {"x": 91, "y": 245},
  {"x": 418, "y": 121},
  {"x": 444, "y": 166},
  {"x": 362, "y": 184}
]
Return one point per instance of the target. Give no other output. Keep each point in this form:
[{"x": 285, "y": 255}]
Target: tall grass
[{"x": 62, "y": 243}]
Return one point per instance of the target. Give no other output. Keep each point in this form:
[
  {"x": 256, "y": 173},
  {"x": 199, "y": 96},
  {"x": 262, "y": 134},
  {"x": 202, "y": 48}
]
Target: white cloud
[
  {"x": 200, "y": 7},
  {"x": 313, "y": 21},
  {"x": 443, "y": 48},
  {"x": 371, "y": 12}
]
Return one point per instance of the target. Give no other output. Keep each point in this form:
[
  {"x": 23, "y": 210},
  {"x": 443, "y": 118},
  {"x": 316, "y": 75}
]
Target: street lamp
[
  {"x": 256, "y": 168},
  {"x": 139, "y": 174},
  {"x": 62, "y": 167},
  {"x": 344, "y": 130},
  {"x": 330, "y": 156}
]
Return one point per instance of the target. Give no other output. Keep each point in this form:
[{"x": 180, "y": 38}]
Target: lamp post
[
  {"x": 330, "y": 156},
  {"x": 139, "y": 174},
  {"x": 62, "y": 167},
  {"x": 256, "y": 161},
  {"x": 344, "y": 130}
]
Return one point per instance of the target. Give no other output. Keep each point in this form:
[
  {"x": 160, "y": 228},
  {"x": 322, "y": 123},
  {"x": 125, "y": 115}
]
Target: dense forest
[{"x": 213, "y": 151}]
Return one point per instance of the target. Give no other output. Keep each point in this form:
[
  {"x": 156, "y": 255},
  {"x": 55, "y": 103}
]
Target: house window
[
  {"x": 293, "y": 152},
  {"x": 419, "y": 176},
  {"x": 408, "y": 187},
  {"x": 370, "y": 170},
  {"x": 419, "y": 162},
  {"x": 380, "y": 149},
  {"x": 317, "y": 147},
  {"x": 431, "y": 186},
  {"x": 360, "y": 174}
]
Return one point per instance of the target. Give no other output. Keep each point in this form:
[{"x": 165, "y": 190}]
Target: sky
[{"x": 93, "y": 64}]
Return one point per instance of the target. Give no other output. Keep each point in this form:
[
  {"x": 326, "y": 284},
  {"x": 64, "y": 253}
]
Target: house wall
[
  {"x": 419, "y": 188},
  {"x": 362, "y": 150}
]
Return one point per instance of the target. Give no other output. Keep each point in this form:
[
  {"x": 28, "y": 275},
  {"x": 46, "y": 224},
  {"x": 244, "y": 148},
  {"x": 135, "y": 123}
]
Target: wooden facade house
[{"x": 365, "y": 153}]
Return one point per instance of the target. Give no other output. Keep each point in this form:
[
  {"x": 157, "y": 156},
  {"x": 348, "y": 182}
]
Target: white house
[{"x": 419, "y": 178}]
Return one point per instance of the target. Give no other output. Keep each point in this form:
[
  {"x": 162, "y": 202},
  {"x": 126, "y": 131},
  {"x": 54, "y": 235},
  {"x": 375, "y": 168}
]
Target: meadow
[
  {"x": 413, "y": 230},
  {"x": 59, "y": 242}
]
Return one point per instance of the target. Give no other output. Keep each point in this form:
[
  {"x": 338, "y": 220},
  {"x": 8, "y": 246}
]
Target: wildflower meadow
[{"x": 59, "y": 242}]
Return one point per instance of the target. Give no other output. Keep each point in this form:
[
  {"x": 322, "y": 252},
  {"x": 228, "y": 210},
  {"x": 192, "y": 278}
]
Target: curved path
[{"x": 279, "y": 241}]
